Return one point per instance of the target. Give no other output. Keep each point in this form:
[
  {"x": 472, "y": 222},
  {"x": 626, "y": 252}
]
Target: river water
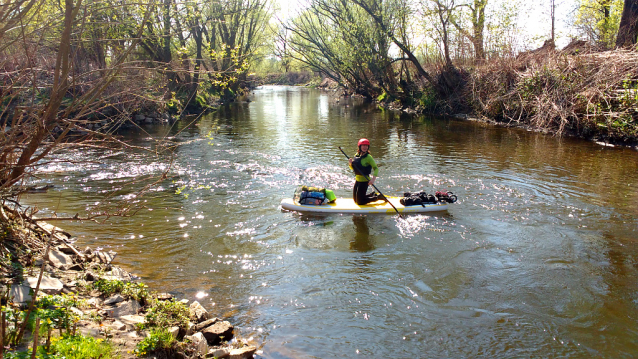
[{"x": 538, "y": 258}]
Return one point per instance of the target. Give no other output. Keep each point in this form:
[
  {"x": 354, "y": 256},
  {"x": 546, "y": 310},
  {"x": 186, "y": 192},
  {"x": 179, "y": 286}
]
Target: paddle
[{"x": 373, "y": 186}]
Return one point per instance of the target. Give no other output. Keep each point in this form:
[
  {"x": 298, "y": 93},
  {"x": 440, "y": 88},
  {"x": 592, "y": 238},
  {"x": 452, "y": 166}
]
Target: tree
[
  {"x": 628, "y": 28},
  {"x": 47, "y": 94},
  {"x": 599, "y": 20},
  {"x": 477, "y": 19}
]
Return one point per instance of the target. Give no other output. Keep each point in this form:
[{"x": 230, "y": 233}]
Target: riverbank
[
  {"x": 577, "y": 91},
  {"x": 55, "y": 292}
]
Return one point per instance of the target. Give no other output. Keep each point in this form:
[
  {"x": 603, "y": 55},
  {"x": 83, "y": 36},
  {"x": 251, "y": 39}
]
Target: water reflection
[{"x": 361, "y": 241}]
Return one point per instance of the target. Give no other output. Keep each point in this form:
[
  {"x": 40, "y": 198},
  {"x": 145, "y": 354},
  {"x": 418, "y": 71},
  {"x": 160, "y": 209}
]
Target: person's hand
[
  {"x": 372, "y": 181},
  {"x": 350, "y": 161}
]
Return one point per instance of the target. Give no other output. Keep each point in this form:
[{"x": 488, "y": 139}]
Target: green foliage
[
  {"x": 167, "y": 313},
  {"x": 158, "y": 340},
  {"x": 79, "y": 347},
  {"x": 55, "y": 312},
  {"x": 382, "y": 97},
  {"x": 137, "y": 291},
  {"x": 599, "y": 20},
  {"x": 428, "y": 98},
  {"x": 69, "y": 347}
]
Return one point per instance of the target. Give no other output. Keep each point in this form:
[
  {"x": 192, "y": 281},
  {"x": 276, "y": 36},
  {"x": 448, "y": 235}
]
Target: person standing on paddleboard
[{"x": 365, "y": 168}]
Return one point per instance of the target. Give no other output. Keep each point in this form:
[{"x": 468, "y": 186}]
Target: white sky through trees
[{"x": 534, "y": 18}]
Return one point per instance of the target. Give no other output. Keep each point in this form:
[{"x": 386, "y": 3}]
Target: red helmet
[{"x": 364, "y": 141}]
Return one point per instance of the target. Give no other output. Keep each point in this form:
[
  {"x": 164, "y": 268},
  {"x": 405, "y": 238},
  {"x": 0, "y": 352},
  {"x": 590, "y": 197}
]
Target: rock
[
  {"x": 220, "y": 353},
  {"x": 164, "y": 296},
  {"x": 66, "y": 250},
  {"x": 94, "y": 302},
  {"x": 127, "y": 308},
  {"x": 105, "y": 257},
  {"x": 73, "y": 267},
  {"x": 200, "y": 343},
  {"x": 59, "y": 259},
  {"x": 121, "y": 273},
  {"x": 88, "y": 251},
  {"x": 77, "y": 312},
  {"x": 149, "y": 120},
  {"x": 139, "y": 117},
  {"x": 90, "y": 276},
  {"x": 114, "y": 299},
  {"x": 48, "y": 285},
  {"x": 90, "y": 332},
  {"x": 243, "y": 353},
  {"x": 184, "y": 301},
  {"x": 20, "y": 294},
  {"x": 117, "y": 325},
  {"x": 174, "y": 331},
  {"x": 218, "y": 332},
  {"x": 205, "y": 324},
  {"x": 132, "y": 320},
  {"x": 198, "y": 313}
]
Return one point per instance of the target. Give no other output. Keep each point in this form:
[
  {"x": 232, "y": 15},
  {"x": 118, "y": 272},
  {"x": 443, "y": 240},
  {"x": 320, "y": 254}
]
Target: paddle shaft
[{"x": 373, "y": 186}]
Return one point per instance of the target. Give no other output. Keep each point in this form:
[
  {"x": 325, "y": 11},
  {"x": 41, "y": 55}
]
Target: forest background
[{"x": 73, "y": 72}]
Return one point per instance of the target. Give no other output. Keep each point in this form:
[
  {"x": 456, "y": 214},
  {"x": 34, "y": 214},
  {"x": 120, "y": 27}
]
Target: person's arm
[{"x": 375, "y": 169}]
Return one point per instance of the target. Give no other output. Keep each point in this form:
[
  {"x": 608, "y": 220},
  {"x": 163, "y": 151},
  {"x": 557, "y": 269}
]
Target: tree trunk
[{"x": 628, "y": 30}]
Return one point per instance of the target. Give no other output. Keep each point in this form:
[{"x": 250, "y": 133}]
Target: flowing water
[{"x": 538, "y": 258}]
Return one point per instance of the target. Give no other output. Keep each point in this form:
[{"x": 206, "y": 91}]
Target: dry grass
[{"x": 589, "y": 94}]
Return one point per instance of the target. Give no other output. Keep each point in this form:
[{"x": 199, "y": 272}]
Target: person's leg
[{"x": 360, "y": 189}]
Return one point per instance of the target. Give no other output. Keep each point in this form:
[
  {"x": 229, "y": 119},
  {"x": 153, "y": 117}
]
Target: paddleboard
[{"x": 347, "y": 205}]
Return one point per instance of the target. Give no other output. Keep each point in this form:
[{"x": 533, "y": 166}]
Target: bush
[
  {"x": 159, "y": 340},
  {"x": 137, "y": 291},
  {"x": 167, "y": 313},
  {"x": 70, "y": 347}
]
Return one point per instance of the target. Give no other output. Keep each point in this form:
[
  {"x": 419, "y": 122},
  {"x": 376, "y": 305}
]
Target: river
[{"x": 538, "y": 258}]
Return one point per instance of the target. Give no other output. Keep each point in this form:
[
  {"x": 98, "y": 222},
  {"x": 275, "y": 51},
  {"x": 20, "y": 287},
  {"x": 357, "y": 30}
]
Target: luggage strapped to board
[
  {"x": 422, "y": 198},
  {"x": 315, "y": 196}
]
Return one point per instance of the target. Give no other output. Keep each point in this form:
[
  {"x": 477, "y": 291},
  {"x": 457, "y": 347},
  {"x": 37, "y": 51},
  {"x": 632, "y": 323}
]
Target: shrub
[
  {"x": 166, "y": 313},
  {"x": 159, "y": 340}
]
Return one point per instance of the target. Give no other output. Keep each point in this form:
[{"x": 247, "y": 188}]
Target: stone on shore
[
  {"x": 164, "y": 296},
  {"x": 243, "y": 353},
  {"x": 114, "y": 299},
  {"x": 205, "y": 324},
  {"x": 174, "y": 332},
  {"x": 126, "y": 308},
  {"x": 20, "y": 294},
  {"x": 218, "y": 332},
  {"x": 59, "y": 259},
  {"x": 105, "y": 257},
  {"x": 132, "y": 320},
  {"x": 117, "y": 325},
  {"x": 198, "y": 313},
  {"x": 200, "y": 343},
  {"x": 48, "y": 285},
  {"x": 220, "y": 353}
]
